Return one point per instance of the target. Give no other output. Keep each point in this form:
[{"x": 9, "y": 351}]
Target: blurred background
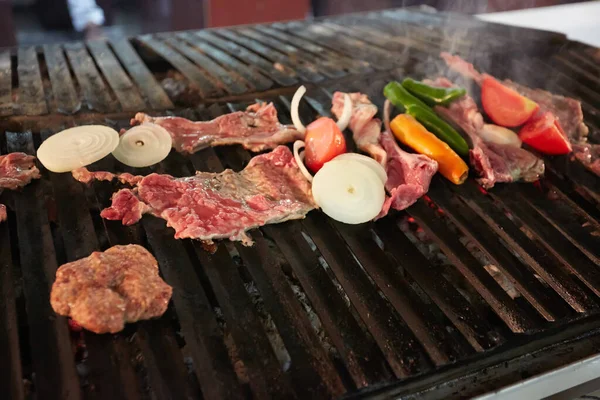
[{"x": 36, "y": 22}]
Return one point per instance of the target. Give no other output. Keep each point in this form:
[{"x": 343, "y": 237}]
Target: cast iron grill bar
[
  {"x": 264, "y": 372},
  {"x": 336, "y": 58},
  {"x": 255, "y": 80},
  {"x": 310, "y": 359},
  {"x": 515, "y": 318},
  {"x": 203, "y": 337},
  {"x": 566, "y": 221},
  {"x": 6, "y": 103},
  {"x": 569, "y": 254},
  {"x": 377, "y": 58},
  {"x": 31, "y": 99},
  {"x": 305, "y": 71},
  {"x": 219, "y": 76},
  {"x": 186, "y": 67},
  {"x": 535, "y": 256},
  {"x": 294, "y": 56},
  {"x": 284, "y": 77},
  {"x": 51, "y": 352},
  {"x": 141, "y": 75},
  {"x": 11, "y": 373},
  {"x": 473, "y": 227},
  {"x": 89, "y": 79},
  {"x": 63, "y": 89},
  {"x": 125, "y": 91}
]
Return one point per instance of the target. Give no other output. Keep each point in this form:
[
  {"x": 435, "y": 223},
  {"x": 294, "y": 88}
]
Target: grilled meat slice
[
  {"x": 567, "y": 110},
  {"x": 409, "y": 175},
  {"x": 495, "y": 163},
  {"x": 107, "y": 289},
  {"x": 271, "y": 189},
  {"x": 16, "y": 171},
  {"x": 256, "y": 129}
]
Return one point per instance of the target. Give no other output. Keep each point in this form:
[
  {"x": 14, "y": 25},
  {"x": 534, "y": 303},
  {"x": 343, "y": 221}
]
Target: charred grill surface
[{"x": 464, "y": 290}]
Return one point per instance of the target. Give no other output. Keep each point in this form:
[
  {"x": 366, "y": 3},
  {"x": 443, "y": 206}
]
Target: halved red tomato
[
  {"x": 505, "y": 106},
  {"x": 545, "y": 134},
  {"x": 324, "y": 141}
]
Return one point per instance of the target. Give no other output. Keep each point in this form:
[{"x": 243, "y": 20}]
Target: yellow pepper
[{"x": 410, "y": 132}]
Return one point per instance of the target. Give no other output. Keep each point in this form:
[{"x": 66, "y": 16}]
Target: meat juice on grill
[
  {"x": 567, "y": 110},
  {"x": 271, "y": 189},
  {"x": 16, "y": 171},
  {"x": 256, "y": 129},
  {"x": 107, "y": 289},
  {"x": 408, "y": 175},
  {"x": 495, "y": 163}
]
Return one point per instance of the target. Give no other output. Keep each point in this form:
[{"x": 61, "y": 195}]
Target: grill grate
[{"x": 463, "y": 281}]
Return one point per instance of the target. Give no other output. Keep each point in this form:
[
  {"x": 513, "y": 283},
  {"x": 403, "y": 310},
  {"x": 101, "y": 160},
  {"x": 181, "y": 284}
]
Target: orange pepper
[{"x": 410, "y": 132}]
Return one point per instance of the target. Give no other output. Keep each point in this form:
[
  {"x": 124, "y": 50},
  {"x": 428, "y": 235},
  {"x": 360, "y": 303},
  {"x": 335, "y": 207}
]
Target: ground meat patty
[{"x": 107, "y": 289}]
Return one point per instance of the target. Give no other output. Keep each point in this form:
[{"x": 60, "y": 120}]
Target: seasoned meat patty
[{"x": 107, "y": 289}]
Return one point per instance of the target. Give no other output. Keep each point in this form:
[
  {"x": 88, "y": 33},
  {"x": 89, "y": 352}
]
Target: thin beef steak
[
  {"x": 271, "y": 189},
  {"x": 256, "y": 129}
]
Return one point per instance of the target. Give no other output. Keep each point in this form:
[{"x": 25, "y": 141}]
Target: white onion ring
[
  {"x": 143, "y": 145},
  {"x": 368, "y": 161},
  {"x": 348, "y": 191},
  {"x": 294, "y": 109},
  {"x": 77, "y": 147},
  {"x": 299, "y": 144},
  {"x": 386, "y": 115},
  {"x": 344, "y": 119}
]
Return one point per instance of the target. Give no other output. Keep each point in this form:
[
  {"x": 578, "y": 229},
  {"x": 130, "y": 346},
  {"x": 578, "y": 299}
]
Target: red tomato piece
[
  {"x": 545, "y": 134},
  {"x": 505, "y": 106},
  {"x": 324, "y": 141}
]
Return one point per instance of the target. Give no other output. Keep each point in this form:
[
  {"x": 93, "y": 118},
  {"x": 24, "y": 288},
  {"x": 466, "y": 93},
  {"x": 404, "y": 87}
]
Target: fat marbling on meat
[
  {"x": 271, "y": 189},
  {"x": 256, "y": 129},
  {"x": 107, "y": 289}
]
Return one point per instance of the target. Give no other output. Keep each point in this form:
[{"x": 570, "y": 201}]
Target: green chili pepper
[
  {"x": 402, "y": 99},
  {"x": 433, "y": 95}
]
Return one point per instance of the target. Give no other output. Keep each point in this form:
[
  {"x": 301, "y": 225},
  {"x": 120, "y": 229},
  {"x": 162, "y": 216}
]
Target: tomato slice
[
  {"x": 545, "y": 134},
  {"x": 505, "y": 106},
  {"x": 324, "y": 141}
]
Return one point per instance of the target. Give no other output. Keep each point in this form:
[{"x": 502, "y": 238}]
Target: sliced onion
[
  {"x": 368, "y": 161},
  {"x": 77, "y": 147},
  {"x": 386, "y": 115},
  {"x": 348, "y": 191},
  {"x": 499, "y": 135},
  {"x": 299, "y": 144},
  {"x": 143, "y": 145},
  {"x": 294, "y": 109},
  {"x": 344, "y": 119}
]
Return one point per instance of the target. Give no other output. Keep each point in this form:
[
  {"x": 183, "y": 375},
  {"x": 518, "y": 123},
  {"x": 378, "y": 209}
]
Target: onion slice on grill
[
  {"x": 77, "y": 147},
  {"x": 348, "y": 191},
  {"x": 368, "y": 161},
  {"x": 386, "y": 115},
  {"x": 344, "y": 119},
  {"x": 143, "y": 145},
  {"x": 294, "y": 109},
  {"x": 299, "y": 157}
]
